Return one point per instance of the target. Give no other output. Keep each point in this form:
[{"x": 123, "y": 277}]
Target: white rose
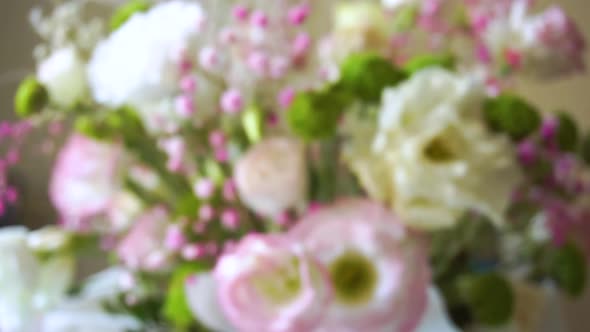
[
  {"x": 139, "y": 62},
  {"x": 28, "y": 286},
  {"x": 64, "y": 76},
  {"x": 272, "y": 177},
  {"x": 432, "y": 157}
]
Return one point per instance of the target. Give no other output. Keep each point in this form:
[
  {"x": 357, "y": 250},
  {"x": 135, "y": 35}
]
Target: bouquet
[{"x": 298, "y": 165}]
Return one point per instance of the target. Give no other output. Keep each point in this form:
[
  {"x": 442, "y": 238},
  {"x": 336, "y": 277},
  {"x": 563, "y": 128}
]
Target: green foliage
[
  {"x": 315, "y": 115},
  {"x": 511, "y": 115},
  {"x": 31, "y": 97},
  {"x": 567, "y": 267},
  {"x": 567, "y": 133},
  {"x": 418, "y": 63},
  {"x": 176, "y": 308},
  {"x": 585, "y": 149},
  {"x": 489, "y": 297},
  {"x": 125, "y": 11},
  {"x": 365, "y": 75},
  {"x": 253, "y": 123}
]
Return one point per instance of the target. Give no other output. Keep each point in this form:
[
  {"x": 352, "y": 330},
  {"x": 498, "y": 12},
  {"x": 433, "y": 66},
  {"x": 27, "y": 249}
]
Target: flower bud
[{"x": 31, "y": 97}]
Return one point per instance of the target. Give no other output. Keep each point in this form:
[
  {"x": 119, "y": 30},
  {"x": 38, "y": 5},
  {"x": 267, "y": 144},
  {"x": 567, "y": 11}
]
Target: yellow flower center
[{"x": 354, "y": 278}]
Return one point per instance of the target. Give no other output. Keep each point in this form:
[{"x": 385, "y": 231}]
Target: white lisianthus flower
[
  {"x": 84, "y": 313},
  {"x": 271, "y": 177},
  {"x": 546, "y": 45},
  {"x": 63, "y": 74},
  {"x": 432, "y": 157},
  {"x": 28, "y": 286}
]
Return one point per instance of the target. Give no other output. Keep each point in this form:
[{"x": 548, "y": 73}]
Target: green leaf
[
  {"x": 31, "y": 97},
  {"x": 405, "y": 18},
  {"x": 365, "y": 75},
  {"x": 418, "y": 63},
  {"x": 511, "y": 115},
  {"x": 568, "y": 267},
  {"x": 176, "y": 308},
  {"x": 125, "y": 11},
  {"x": 315, "y": 115},
  {"x": 489, "y": 297},
  {"x": 252, "y": 122},
  {"x": 567, "y": 133}
]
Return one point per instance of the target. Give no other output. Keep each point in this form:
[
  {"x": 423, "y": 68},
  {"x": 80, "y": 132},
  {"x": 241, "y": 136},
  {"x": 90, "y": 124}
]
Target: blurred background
[{"x": 17, "y": 40}]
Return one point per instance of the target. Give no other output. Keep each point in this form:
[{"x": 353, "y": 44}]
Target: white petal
[
  {"x": 435, "y": 318},
  {"x": 201, "y": 294}
]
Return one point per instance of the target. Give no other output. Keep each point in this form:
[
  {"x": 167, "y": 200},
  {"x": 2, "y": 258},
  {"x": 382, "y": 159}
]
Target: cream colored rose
[
  {"x": 271, "y": 177},
  {"x": 430, "y": 155}
]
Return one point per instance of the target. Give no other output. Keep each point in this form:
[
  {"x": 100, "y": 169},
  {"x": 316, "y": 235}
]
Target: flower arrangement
[{"x": 297, "y": 165}]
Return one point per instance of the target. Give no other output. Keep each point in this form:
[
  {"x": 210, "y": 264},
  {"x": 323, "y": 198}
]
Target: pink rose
[
  {"x": 85, "y": 179},
  {"x": 378, "y": 269},
  {"x": 268, "y": 283},
  {"x": 272, "y": 176},
  {"x": 143, "y": 248}
]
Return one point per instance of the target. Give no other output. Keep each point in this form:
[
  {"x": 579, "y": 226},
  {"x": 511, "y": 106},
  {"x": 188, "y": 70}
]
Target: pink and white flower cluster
[{"x": 349, "y": 267}]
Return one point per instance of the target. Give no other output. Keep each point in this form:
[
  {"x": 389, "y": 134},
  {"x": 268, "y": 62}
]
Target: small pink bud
[
  {"x": 513, "y": 58},
  {"x": 229, "y": 190},
  {"x": 192, "y": 252},
  {"x": 206, "y": 213},
  {"x": 285, "y": 97},
  {"x": 549, "y": 129},
  {"x": 258, "y": 62},
  {"x": 221, "y": 155},
  {"x": 228, "y": 36},
  {"x": 217, "y": 138},
  {"x": 301, "y": 44},
  {"x": 279, "y": 67},
  {"x": 204, "y": 188},
  {"x": 259, "y": 19},
  {"x": 209, "y": 58},
  {"x": 185, "y": 65},
  {"x": 298, "y": 14},
  {"x": 527, "y": 152},
  {"x": 232, "y": 101},
  {"x": 185, "y": 106},
  {"x": 230, "y": 219},
  {"x": 188, "y": 84},
  {"x": 240, "y": 13},
  {"x": 175, "y": 238}
]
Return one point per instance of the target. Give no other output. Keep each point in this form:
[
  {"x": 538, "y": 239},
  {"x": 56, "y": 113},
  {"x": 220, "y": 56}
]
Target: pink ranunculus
[
  {"x": 272, "y": 176},
  {"x": 85, "y": 179},
  {"x": 378, "y": 268},
  {"x": 143, "y": 248},
  {"x": 268, "y": 283}
]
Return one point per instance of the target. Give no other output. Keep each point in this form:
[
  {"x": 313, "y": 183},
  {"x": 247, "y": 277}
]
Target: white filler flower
[{"x": 139, "y": 62}]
